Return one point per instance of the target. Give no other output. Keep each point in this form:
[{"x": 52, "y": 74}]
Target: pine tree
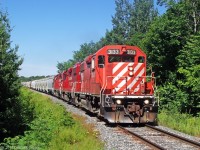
[
  {"x": 143, "y": 14},
  {"x": 9, "y": 81},
  {"x": 121, "y": 22},
  {"x": 131, "y": 21}
]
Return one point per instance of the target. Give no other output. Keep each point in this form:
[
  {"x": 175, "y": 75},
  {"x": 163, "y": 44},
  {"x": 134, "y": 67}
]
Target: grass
[
  {"x": 181, "y": 122},
  {"x": 52, "y": 127},
  {"x": 81, "y": 136}
]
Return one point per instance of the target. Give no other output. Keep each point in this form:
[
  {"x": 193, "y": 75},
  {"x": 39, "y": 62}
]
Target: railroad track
[{"x": 156, "y": 138}]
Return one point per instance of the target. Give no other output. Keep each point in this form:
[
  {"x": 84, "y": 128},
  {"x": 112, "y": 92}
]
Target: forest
[{"x": 171, "y": 42}]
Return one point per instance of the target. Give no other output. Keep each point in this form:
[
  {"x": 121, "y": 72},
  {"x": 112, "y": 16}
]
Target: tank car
[
  {"x": 48, "y": 84},
  {"x": 44, "y": 85},
  {"x": 32, "y": 85}
]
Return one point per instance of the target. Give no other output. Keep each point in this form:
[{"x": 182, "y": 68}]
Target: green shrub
[{"x": 80, "y": 136}]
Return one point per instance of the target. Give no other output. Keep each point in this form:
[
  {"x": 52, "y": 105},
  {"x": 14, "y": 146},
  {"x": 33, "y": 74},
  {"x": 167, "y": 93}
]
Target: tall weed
[{"x": 181, "y": 122}]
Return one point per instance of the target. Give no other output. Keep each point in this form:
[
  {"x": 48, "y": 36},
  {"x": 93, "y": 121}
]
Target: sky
[{"x": 48, "y": 31}]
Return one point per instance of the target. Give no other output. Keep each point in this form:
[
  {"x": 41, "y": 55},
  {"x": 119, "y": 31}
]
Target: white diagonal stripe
[
  {"x": 134, "y": 81},
  {"x": 124, "y": 81},
  {"x": 135, "y": 70},
  {"x": 121, "y": 84},
  {"x": 130, "y": 64},
  {"x": 120, "y": 74},
  {"x": 137, "y": 67},
  {"x": 117, "y": 67}
]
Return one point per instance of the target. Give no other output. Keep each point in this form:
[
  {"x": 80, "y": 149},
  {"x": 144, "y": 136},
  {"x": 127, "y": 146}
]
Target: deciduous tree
[
  {"x": 189, "y": 70},
  {"x": 166, "y": 37},
  {"x": 62, "y": 66}
]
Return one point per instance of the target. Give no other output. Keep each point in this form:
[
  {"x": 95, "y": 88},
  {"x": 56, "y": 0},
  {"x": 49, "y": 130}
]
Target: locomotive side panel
[
  {"x": 65, "y": 81},
  {"x": 77, "y": 78},
  {"x": 57, "y": 85}
]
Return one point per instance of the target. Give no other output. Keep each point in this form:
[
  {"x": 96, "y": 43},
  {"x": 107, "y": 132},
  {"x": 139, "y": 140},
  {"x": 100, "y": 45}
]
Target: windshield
[{"x": 120, "y": 58}]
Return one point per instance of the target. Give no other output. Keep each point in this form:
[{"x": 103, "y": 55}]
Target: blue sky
[{"x": 48, "y": 31}]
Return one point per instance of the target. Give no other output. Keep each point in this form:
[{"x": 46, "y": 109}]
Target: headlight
[
  {"x": 130, "y": 68},
  {"x": 130, "y": 73},
  {"x": 118, "y": 101},
  {"x": 146, "y": 101}
]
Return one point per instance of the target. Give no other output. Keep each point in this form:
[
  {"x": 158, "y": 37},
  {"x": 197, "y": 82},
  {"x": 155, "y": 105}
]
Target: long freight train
[{"x": 112, "y": 83}]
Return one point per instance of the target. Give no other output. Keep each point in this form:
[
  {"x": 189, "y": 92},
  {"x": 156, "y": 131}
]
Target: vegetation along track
[{"x": 157, "y": 138}]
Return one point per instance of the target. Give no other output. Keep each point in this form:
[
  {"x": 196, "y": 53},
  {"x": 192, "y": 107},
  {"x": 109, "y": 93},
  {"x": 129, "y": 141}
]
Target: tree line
[{"x": 170, "y": 40}]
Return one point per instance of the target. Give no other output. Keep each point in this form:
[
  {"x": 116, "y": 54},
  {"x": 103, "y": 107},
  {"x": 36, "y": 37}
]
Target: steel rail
[
  {"x": 147, "y": 142},
  {"x": 190, "y": 142}
]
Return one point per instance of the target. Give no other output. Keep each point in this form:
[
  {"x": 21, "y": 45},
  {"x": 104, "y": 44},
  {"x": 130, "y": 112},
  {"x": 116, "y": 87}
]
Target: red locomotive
[{"x": 113, "y": 83}]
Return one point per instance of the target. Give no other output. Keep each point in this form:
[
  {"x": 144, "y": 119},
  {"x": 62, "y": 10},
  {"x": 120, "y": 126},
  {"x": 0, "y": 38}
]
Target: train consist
[{"x": 112, "y": 83}]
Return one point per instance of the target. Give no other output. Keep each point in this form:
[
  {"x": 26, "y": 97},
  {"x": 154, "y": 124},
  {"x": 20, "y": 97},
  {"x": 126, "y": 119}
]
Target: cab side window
[
  {"x": 64, "y": 77},
  {"x": 88, "y": 65},
  {"x": 141, "y": 59},
  {"x": 82, "y": 67},
  {"x": 101, "y": 61},
  {"x": 74, "y": 71}
]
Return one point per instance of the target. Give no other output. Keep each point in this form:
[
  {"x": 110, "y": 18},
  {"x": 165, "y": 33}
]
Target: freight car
[
  {"x": 43, "y": 85},
  {"x": 112, "y": 83}
]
